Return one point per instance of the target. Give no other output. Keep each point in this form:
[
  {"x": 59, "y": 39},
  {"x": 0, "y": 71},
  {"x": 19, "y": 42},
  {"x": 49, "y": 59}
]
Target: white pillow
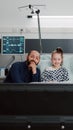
[{"x": 45, "y": 61}]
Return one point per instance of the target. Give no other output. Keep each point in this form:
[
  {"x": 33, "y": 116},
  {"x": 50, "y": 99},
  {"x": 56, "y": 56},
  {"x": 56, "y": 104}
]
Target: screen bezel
[{"x": 11, "y": 35}]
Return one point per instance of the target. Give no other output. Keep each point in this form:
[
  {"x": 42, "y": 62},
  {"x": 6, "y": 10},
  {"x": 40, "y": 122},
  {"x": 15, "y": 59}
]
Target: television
[
  {"x": 36, "y": 106},
  {"x": 13, "y": 44}
]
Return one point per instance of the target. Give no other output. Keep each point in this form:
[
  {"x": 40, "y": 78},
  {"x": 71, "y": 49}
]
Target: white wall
[{"x": 51, "y": 27}]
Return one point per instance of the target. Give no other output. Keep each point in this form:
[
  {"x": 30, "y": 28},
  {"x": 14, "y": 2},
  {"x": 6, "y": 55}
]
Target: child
[{"x": 55, "y": 73}]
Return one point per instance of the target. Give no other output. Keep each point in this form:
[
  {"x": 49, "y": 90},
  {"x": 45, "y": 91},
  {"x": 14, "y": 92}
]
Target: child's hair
[{"x": 59, "y": 51}]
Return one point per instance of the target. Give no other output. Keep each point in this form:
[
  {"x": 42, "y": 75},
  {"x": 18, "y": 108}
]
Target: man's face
[{"x": 34, "y": 56}]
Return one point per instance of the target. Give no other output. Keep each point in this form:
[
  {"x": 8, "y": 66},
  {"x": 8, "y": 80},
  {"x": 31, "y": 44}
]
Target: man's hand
[{"x": 32, "y": 66}]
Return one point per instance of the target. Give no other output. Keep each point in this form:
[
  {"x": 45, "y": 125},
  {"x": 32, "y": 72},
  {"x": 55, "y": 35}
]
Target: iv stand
[
  {"x": 39, "y": 30},
  {"x": 37, "y": 12}
]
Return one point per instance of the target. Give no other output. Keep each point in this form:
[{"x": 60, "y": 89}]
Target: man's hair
[{"x": 31, "y": 51}]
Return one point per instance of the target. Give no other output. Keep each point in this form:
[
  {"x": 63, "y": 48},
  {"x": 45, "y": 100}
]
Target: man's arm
[
  {"x": 35, "y": 72},
  {"x": 36, "y": 76},
  {"x": 15, "y": 75}
]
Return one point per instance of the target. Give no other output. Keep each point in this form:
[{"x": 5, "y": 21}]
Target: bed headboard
[{"x": 48, "y": 45}]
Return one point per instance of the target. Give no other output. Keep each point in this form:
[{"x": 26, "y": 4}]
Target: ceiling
[
  {"x": 51, "y": 7},
  {"x": 10, "y": 14}
]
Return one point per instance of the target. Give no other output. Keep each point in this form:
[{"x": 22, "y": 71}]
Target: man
[{"x": 25, "y": 72}]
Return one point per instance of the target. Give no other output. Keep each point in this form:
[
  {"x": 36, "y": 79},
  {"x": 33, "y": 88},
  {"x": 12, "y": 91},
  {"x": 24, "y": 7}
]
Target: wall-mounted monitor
[{"x": 13, "y": 44}]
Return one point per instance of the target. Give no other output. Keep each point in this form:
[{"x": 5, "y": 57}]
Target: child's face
[{"x": 56, "y": 60}]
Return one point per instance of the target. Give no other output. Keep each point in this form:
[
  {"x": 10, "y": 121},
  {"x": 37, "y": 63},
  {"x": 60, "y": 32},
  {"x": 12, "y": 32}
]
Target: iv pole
[
  {"x": 39, "y": 30},
  {"x": 31, "y": 7}
]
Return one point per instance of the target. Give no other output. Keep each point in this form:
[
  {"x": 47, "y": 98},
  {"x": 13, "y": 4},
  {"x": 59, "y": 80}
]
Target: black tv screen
[
  {"x": 36, "y": 99},
  {"x": 13, "y": 44}
]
